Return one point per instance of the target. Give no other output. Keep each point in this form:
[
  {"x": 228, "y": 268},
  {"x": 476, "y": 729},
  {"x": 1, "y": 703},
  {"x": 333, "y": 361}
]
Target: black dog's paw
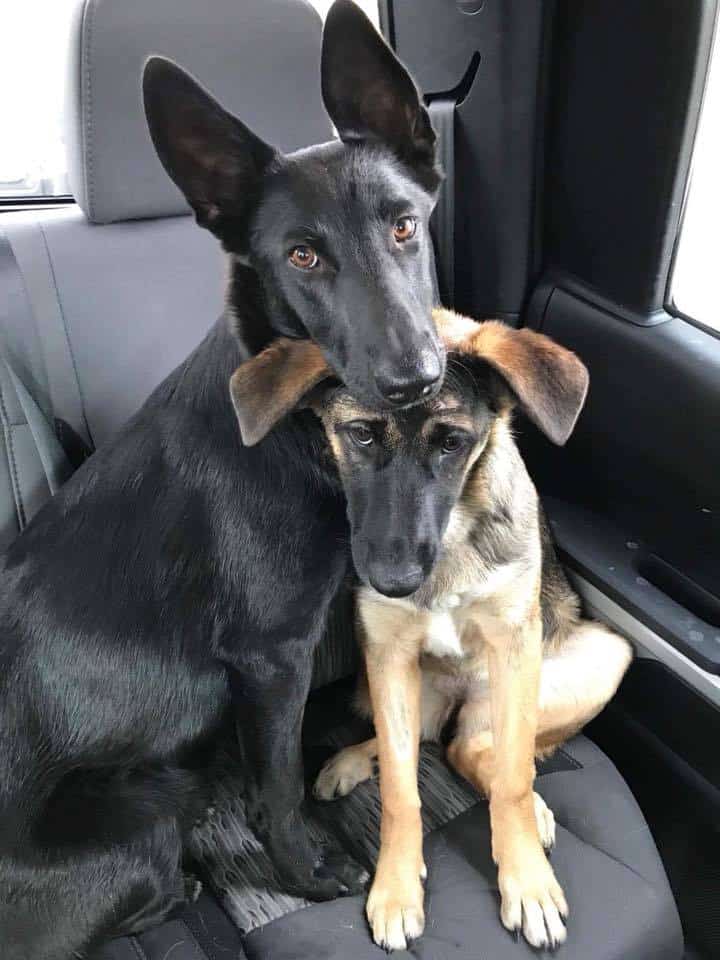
[
  {"x": 318, "y": 884},
  {"x": 352, "y": 875},
  {"x": 333, "y": 874},
  {"x": 305, "y": 867}
]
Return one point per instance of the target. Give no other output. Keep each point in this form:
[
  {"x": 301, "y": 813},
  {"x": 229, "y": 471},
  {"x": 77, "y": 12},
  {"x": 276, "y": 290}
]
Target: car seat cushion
[{"x": 621, "y": 904}]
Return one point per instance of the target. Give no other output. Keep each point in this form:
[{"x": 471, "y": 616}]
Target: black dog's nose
[
  {"x": 394, "y": 581},
  {"x": 418, "y": 385}
]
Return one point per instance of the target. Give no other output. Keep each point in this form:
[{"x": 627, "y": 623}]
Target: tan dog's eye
[
  {"x": 404, "y": 229},
  {"x": 304, "y": 257},
  {"x": 361, "y": 434},
  {"x": 453, "y": 442}
]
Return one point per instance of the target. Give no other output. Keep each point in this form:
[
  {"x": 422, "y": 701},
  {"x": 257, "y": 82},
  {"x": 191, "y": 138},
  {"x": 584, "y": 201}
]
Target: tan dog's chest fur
[{"x": 448, "y": 622}]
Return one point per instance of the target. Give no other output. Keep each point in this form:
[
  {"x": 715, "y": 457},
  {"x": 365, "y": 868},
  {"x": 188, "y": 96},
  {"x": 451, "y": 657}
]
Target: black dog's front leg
[{"x": 269, "y": 696}]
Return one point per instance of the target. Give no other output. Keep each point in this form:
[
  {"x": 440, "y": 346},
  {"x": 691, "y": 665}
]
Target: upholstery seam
[
  {"x": 196, "y": 948},
  {"x": 81, "y": 103},
  {"x": 610, "y": 856},
  {"x": 67, "y": 334},
  {"x": 575, "y": 764},
  {"x": 137, "y": 947},
  {"x": 86, "y": 102},
  {"x": 33, "y": 313},
  {"x": 7, "y": 430},
  {"x": 208, "y": 951}
]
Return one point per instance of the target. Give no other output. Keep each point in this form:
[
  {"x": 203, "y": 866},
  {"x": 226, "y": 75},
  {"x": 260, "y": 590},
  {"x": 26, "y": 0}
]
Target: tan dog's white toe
[
  {"x": 396, "y": 916},
  {"x": 554, "y": 922},
  {"x": 545, "y": 820},
  {"x": 533, "y": 901}
]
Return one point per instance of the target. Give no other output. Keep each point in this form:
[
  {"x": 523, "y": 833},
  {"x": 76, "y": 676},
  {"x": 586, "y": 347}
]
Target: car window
[
  {"x": 32, "y": 151},
  {"x": 369, "y": 6},
  {"x": 32, "y": 155},
  {"x": 694, "y": 289}
]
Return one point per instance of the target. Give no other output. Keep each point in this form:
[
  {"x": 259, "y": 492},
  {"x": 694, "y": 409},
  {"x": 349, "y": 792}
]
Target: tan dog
[{"x": 464, "y": 604}]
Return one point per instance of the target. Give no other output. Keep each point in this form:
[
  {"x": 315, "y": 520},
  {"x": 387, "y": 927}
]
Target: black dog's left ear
[
  {"x": 549, "y": 382},
  {"x": 267, "y": 387},
  {"x": 370, "y": 95},
  {"x": 215, "y": 160}
]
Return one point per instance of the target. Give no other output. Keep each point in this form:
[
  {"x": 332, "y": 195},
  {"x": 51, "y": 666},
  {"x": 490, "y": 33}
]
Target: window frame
[{"x": 671, "y": 306}]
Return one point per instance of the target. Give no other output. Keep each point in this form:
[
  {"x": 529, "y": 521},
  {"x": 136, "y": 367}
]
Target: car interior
[{"x": 566, "y": 130}]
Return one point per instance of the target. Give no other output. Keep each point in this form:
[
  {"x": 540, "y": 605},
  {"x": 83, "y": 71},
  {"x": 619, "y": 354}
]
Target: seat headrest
[{"x": 260, "y": 58}]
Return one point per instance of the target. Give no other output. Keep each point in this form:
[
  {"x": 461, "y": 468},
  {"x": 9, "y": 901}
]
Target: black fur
[
  {"x": 368, "y": 301},
  {"x": 178, "y": 585}
]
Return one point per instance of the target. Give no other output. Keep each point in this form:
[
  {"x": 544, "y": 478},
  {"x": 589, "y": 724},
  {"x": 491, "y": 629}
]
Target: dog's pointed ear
[
  {"x": 209, "y": 154},
  {"x": 268, "y": 386},
  {"x": 549, "y": 382},
  {"x": 370, "y": 95}
]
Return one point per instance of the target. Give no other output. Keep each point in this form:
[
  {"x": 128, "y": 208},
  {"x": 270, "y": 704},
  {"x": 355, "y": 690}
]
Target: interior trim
[{"x": 648, "y": 644}]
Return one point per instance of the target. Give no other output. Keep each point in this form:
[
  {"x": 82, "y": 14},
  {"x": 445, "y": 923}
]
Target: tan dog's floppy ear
[
  {"x": 550, "y": 382},
  {"x": 268, "y": 386}
]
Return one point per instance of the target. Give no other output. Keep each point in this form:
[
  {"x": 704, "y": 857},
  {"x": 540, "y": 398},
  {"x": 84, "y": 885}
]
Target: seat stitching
[
  {"x": 606, "y": 853},
  {"x": 17, "y": 493},
  {"x": 137, "y": 947},
  {"x": 575, "y": 764},
  {"x": 189, "y": 941},
  {"x": 33, "y": 313},
  {"x": 67, "y": 334},
  {"x": 81, "y": 104},
  {"x": 193, "y": 943},
  {"x": 86, "y": 102}
]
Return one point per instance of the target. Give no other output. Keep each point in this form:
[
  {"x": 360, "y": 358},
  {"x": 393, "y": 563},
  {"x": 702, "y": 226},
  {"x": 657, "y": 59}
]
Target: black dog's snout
[
  {"x": 401, "y": 394},
  {"x": 394, "y": 581},
  {"x": 417, "y": 384}
]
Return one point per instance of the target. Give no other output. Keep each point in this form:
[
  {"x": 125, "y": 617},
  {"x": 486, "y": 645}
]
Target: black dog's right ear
[
  {"x": 268, "y": 386},
  {"x": 210, "y": 155},
  {"x": 370, "y": 95}
]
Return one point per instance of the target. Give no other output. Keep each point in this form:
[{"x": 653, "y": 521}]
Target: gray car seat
[{"x": 99, "y": 302}]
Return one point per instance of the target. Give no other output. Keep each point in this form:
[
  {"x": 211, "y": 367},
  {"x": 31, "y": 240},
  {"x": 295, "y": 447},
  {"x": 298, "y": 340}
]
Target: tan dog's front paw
[
  {"x": 342, "y": 773},
  {"x": 395, "y": 911},
  {"x": 533, "y": 900}
]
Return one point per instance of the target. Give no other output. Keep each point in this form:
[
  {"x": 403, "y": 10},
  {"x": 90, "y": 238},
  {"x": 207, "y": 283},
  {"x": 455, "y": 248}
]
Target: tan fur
[
  {"x": 475, "y": 632},
  {"x": 520, "y": 696},
  {"x": 395, "y": 905},
  {"x": 494, "y": 630},
  {"x": 549, "y": 381},
  {"x": 274, "y": 382}
]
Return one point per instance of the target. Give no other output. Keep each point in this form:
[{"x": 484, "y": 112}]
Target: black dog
[{"x": 179, "y": 583}]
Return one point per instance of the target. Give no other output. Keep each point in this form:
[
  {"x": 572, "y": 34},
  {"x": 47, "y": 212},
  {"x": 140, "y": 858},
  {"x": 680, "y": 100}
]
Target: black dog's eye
[
  {"x": 361, "y": 434},
  {"x": 453, "y": 442},
  {"x": 404, "y": 229},
  {"x": 304, "y": 257}
]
